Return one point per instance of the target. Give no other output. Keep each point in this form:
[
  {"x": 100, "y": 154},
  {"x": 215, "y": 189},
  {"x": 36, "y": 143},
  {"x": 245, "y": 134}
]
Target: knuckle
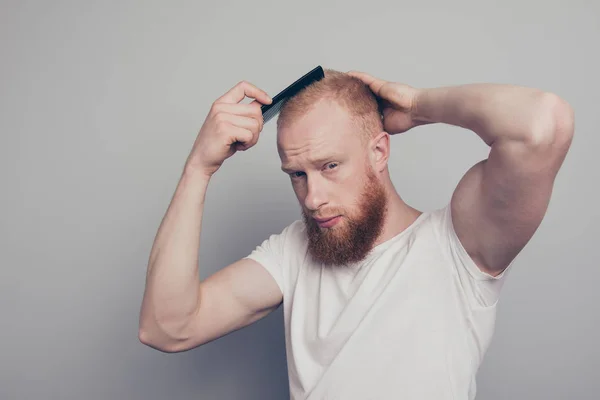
[
  {"x": 215, "y": 107},
  {"x": 248, "y": 135},
  {"x": 248, "y": 139},
  {"x": 219, "y": 117},
  {"x": 222, "y": 126}
]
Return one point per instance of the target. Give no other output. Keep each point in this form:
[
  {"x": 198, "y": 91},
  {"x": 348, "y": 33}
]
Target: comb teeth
[
  {"x": 273, "y": 110},
  {"x": 269, "y": 111}
]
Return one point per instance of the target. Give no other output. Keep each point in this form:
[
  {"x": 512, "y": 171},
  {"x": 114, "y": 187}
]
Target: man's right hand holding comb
[{"x": 230, "y": 126}]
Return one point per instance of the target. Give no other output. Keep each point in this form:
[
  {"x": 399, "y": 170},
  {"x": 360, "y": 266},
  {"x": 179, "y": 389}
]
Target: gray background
[{"x": 101, "y": 103}]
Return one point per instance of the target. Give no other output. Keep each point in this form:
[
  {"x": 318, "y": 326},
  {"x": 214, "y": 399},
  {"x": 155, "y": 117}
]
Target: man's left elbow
[{"x": 556, "y": 123}]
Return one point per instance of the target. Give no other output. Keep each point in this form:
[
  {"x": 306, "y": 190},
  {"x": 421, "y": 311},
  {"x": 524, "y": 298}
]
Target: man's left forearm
[{"x": 494, "y": 111}]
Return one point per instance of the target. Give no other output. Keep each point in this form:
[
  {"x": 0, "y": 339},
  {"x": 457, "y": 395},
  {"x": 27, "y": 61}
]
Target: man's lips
[
  {"x": 321, "y": 220},
  {"x": 328, "y": 222}
]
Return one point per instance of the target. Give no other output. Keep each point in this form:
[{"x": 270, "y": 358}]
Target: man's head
[{"x": 331, "y": 142}]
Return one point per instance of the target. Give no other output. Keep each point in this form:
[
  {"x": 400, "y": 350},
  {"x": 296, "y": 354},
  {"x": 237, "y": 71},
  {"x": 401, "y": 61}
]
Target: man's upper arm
[
  {"x": 500, "y": 202},
  {"x": 243, "y": 292},
  {"x": 230, "y": 299}
]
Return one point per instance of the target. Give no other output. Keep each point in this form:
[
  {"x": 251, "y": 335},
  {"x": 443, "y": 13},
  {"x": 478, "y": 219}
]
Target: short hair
[{"x": 347, "y": 91}]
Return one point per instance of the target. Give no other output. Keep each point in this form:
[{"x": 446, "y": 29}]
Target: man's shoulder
[
  {"x": 292, "y": 234},
  {"x": 432, "y": 220},
  {"x": 294, "y": 228}
]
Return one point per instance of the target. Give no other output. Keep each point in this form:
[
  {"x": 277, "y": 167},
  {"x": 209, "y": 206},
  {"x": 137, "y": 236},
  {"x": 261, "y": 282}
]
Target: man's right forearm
[{"x": 172, "y": 280}]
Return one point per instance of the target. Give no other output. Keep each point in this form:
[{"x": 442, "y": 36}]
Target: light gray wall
[{"x": 101, "y": 103}]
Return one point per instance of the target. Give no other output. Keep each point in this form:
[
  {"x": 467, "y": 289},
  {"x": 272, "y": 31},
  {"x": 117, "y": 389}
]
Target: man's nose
[{"x": 316, "y": 195}]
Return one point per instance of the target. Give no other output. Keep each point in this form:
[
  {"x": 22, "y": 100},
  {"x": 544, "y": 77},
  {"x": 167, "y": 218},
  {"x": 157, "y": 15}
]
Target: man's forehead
[
  {"x": 315, "y": 146},
  {"x": 325, "y": 123}
]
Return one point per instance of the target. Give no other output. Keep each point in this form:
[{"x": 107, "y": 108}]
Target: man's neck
[{"x": 399, "y": 216}]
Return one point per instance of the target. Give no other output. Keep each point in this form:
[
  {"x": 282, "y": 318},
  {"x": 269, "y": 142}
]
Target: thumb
[
  {"x": 373, "y": 83},
  {"x": 381, "y": 88}
]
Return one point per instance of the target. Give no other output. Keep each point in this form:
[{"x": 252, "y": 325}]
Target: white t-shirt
[{"x": 412, "y": 321}]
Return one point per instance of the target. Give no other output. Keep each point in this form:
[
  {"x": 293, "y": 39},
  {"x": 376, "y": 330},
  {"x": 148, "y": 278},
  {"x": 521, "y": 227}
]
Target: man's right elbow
[
  {"x": 150, "y": 340},
  {"x": 164, "y": 344}
]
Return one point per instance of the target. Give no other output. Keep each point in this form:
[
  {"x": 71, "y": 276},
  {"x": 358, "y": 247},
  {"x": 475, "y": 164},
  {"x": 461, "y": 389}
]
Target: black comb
[{"x": 270, "y": 110}]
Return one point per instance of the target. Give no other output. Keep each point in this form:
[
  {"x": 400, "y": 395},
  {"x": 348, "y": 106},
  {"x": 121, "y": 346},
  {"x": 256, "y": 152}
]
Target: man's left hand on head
[{"x": 398, "y": 102}]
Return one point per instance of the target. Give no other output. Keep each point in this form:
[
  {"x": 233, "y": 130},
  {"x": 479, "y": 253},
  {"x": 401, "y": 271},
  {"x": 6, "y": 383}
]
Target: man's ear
[{"x": 380, "y": 151}]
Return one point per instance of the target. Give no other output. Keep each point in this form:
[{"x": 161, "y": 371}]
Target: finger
[
  {"x": 248, "y": 110},
  {"x": 242, "y": 90},
  {"x": 243, "y": 122},
  {"x": 386, "y": 91},
  {"x": 242, "y": 139},
  {"x": 374, "y": 84}
]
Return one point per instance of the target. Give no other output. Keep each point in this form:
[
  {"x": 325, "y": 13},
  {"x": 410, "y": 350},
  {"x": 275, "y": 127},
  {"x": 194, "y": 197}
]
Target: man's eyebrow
[{"x": 317, "y": 161}]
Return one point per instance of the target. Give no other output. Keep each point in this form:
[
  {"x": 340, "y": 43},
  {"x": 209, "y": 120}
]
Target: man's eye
[
  {"x": 297, "y": 174},
  {"x": 332, "y": 165}
]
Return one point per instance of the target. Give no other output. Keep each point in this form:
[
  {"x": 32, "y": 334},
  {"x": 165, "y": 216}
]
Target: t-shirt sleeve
[
  {"x": 271, "y": 255},
  {"x": 482, "y": 289}
]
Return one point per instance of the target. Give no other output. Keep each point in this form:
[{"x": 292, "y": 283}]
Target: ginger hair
[{"x": 347, "y": 91}]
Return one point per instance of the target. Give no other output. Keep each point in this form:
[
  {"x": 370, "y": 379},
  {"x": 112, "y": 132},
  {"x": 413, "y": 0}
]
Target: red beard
[{"x": 352, "y": 238}]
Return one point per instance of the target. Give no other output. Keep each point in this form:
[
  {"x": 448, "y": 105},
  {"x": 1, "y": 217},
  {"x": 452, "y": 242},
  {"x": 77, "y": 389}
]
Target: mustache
[{"x": 323, "y": 214}]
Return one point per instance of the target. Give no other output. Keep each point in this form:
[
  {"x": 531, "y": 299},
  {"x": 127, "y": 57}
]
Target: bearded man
[{"x": 380, "y": 300}]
